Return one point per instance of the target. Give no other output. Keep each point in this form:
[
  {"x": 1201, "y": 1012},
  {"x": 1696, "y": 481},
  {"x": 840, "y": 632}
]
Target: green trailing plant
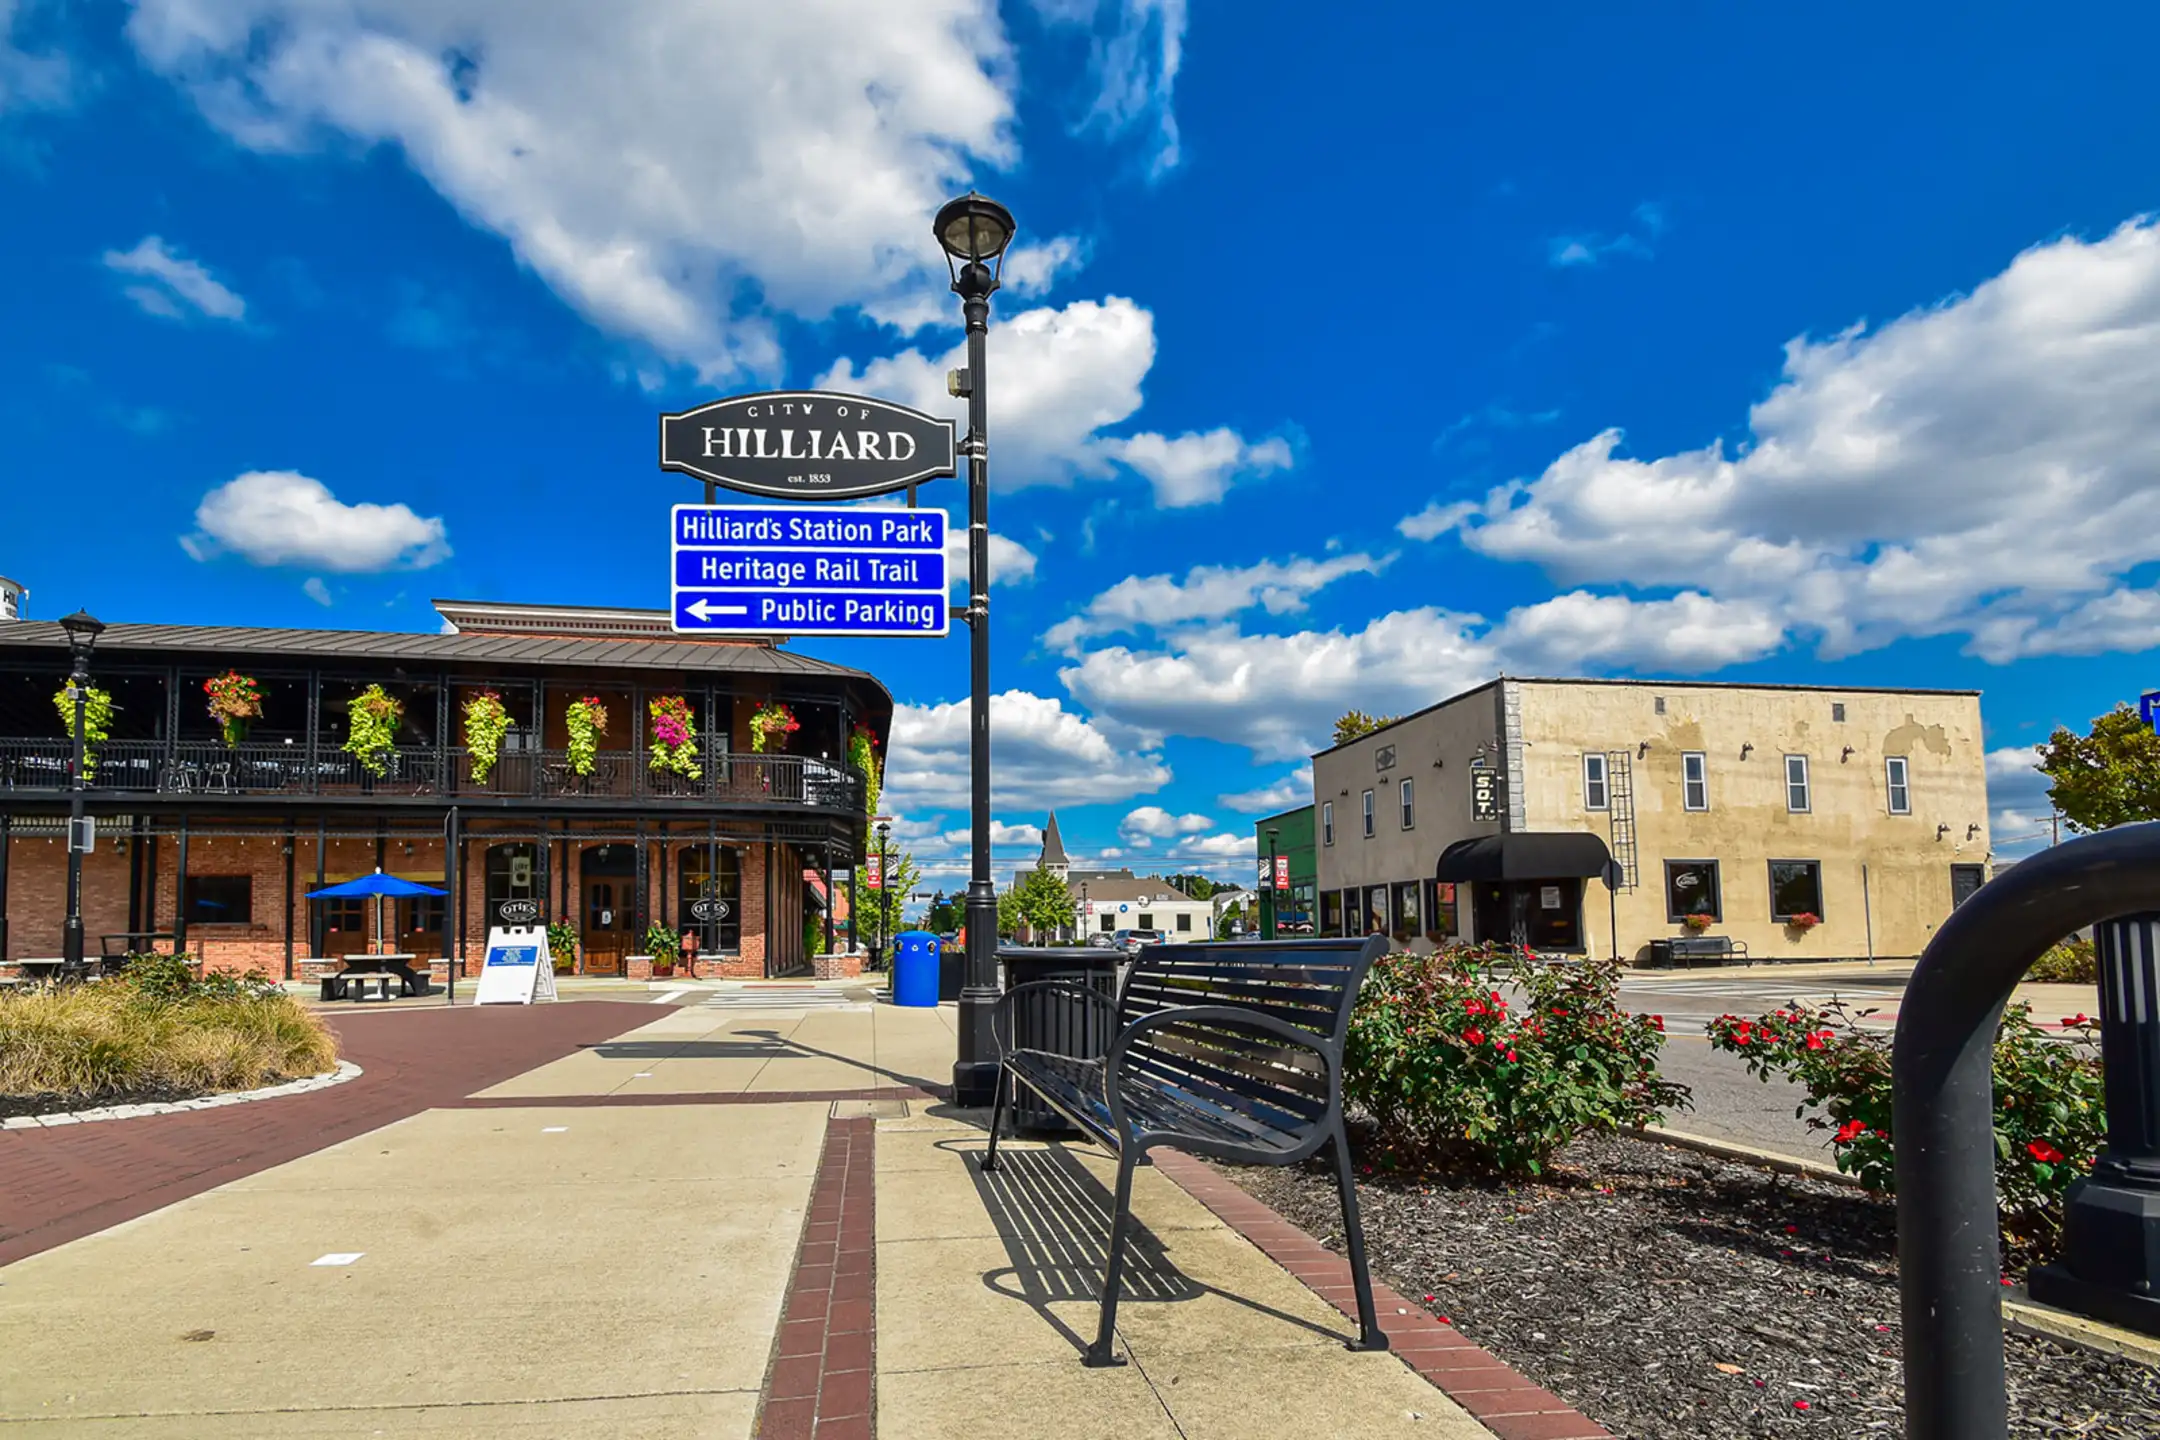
[
  {"x": 663, "y": 944},
  {"x": 562, "y": 945},
  {"x": 2050, "y": 1107},
  {"x": 98, "y": 710},
  {"x": 813, "y": 933},
  {"x": 674, "y": 736},
  {"x": 1455, "y": 1073},
  {"x": 770, "y": 725},
  {"x": 862, "y": 755},
  {"x": 487, "y": 721},
  {"x": 372, "y": 720},
  {"x": 586, "y": 720},
  {"x": 2072, "y": 962},
  {"x": 235, "y": 703}
]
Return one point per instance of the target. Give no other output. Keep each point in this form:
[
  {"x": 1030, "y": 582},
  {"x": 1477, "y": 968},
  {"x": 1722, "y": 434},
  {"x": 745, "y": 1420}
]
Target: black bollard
[
  {"x": 1943, "y": 1108},
  {"x": 2110, "y": 1267}
]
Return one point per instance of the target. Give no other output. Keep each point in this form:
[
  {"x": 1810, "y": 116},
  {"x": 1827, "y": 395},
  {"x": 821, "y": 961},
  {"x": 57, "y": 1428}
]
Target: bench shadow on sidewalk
[
  {"x": 753, "y": 1045},
  {"x": 1054, "y": 1218}
]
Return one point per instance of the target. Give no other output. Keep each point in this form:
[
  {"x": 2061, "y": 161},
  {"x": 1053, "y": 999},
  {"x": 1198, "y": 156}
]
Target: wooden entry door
[{"x": 606, "y": 937}]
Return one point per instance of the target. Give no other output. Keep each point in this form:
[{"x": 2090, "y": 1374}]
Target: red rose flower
[
  {"x": 2045, "y": 1153},
  {"x": 1474, "y": 1036},
  {"x": 1850, "y": 1131}
]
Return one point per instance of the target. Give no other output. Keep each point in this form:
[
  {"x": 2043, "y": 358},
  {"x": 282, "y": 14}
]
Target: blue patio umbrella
[{"x": 377, "y": 885}]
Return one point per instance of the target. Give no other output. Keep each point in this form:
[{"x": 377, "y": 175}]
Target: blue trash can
[{"x": 915, "y": 968}]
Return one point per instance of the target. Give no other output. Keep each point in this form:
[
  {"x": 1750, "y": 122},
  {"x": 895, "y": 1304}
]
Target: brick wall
[{"x": 37, "y": 895}]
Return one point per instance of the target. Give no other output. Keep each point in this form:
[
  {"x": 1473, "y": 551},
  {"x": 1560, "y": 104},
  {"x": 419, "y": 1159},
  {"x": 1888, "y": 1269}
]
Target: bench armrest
[
  {"x": 1228, "y": 1017},
  {"x": 1001, "y": 1013}
]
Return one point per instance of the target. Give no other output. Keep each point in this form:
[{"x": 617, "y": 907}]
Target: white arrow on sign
[{"x": 705, "y": 609}]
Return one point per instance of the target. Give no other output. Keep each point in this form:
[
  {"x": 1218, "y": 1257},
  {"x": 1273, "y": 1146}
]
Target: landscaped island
[{"x": 157, "y": 1034}]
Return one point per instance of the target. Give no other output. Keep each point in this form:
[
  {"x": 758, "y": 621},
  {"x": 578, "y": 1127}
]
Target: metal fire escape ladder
[{"x": 1620, "y": 777}]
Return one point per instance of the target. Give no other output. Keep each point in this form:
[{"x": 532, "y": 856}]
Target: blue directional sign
[
  {"x": 2149, "y": 708},
  {"x": 808, "y": 570}
]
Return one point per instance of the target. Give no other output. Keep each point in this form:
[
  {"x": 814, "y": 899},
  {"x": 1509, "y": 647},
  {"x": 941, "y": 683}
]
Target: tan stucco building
[{"x": 1577, "y": 815}]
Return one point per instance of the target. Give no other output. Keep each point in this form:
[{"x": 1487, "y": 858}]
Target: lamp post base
[
  {"x": 2110, "y": 1229},
  {"x": 975, "y": 1072}
]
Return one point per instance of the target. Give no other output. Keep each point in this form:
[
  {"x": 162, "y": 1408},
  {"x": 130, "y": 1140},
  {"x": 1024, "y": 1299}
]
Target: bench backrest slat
[{"x": 1238, "y": 1075}]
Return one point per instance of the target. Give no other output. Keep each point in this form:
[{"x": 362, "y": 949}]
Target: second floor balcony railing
[{"x": 212, "y": 769}]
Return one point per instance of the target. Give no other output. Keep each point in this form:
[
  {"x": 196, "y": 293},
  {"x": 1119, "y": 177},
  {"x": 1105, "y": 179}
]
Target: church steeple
[{"x": 1053, "y": 850}]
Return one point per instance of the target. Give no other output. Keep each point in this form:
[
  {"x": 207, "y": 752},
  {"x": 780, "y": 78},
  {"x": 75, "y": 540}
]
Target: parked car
[
  {"x": 1102, "y": 940},
  {"x": 1130, "y": 941}
]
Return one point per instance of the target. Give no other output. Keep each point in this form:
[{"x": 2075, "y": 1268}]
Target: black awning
[{"x": 1524, "y": 857}]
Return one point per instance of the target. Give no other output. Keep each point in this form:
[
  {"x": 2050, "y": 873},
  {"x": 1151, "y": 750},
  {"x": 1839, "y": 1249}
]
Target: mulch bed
[
  {"x": 1666, "y": 1293},
  {"x": 53, "y": 1103}
]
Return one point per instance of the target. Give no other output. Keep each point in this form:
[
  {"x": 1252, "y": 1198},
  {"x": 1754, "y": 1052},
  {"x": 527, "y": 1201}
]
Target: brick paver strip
[
  {"x": 821, "y": 1383},
  {"x": 698, "y": 1097},
  {"x": 60, "y": 1184},
  {"x": 1503, "y": 1401}
]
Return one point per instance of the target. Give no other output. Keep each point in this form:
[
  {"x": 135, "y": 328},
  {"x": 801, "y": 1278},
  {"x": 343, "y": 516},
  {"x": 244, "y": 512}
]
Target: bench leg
[
  {"x": 1005, "y": 1082},
  {"x": 1104, "y": 1351},
  {"x": 1370, "y": 1335}
]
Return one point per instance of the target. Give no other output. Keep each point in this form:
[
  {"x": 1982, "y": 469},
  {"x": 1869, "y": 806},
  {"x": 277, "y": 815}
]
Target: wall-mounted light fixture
[
  {"x": 1642, "y": 748},
  {"x": 1345, "y": 792},
  {"x": 1972, "y": 831},
  {"x": 1437, "y": 764},
  {"x": 1941, "y": 830},
  {"x": 1745, "y": 747},
  {"x": 1845, "y": 756}
]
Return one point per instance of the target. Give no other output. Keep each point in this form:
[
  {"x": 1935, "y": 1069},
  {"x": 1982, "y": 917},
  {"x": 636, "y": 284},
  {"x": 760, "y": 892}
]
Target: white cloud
[
  {"x": 1011, "y": 563},
  {"x": 2017, "y": 800},
  {"x": 1137, "y": 48},
  {"x": 1031, "y": 270},
  {"x": 1058, "y": 378},
  {"x": 1002, "y": 835},
  {"x": 1293, "y": 789},
  {"x": 175, "y": 287},
  {"x": 1592, "y": 249},
  {"x": 1042, "y": 756},
  {"x": 1280, "y": 694},
  {"x": 31, "y": 77},
  {"x": 1197, "y": 469},
  {"x": 675, "y": 169},
  {"x": 1208, "y": 592},
  {"x": 1150, "y": 823},
  {"x": 314, "y": 588},
  {"x": 1436, "y": 519},
  {"x": 1980, "y": 467},
  {"x": 277, "y": 517},
  {"x": 1688, "y": 634}
]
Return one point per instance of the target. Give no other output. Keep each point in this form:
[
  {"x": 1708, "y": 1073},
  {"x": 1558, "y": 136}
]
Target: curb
[
  {"x": 345, "y": 1071},
  {"x": 1743, "y": 1154},
  {"x": 2027, "y": 1317}
]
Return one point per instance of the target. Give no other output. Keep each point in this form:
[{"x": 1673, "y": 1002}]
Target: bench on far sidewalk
[
  {"x": 1230, "y": 1050},
  {"x": 1688, "y": 949}
]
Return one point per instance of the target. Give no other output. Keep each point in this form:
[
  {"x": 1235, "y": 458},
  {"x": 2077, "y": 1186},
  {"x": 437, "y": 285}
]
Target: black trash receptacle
[
  {"x": 1661, "y": 953},
  {"x": 1060, "y": 1024},
  {"x": 952, "y": 969}
]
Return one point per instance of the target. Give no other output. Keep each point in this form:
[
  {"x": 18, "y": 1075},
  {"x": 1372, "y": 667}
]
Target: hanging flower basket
[
  {"x": 235, "y": 703},
  {"x": 586, "y": 720},
  {"x": 674, "y": 738},
  {"x": 97, "y": 722},
  {"x": 770, "y": 725},
  {"x": 487, "y": 721},
  {"x": 1699, "y": 923},
  {"x": 373, "y": 717},
  {"x": 1805, "y": 921},
  {"x": 862, "y": 755}
]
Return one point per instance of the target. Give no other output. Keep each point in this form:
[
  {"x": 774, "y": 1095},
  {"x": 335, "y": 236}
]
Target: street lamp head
[
  {"x": 83, "y": 629},
  {"x": 973, "y": 231}
]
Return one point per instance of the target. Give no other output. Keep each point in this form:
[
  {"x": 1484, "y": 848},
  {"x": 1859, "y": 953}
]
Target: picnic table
[{"x": 363, "y": 971}]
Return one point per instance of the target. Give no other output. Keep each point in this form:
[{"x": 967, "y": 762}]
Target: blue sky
[{"x": 1341, "y": 364}]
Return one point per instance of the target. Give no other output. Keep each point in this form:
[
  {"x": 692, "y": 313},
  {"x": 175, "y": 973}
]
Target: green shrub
[
  {"x": 1454, "y": 1073},
  {"x": 161, "y": 1031},
  {"x": 2050, "y": 1110},
  {"x": 663, "y": 944},
  {"x": 2073, "y": 962}
]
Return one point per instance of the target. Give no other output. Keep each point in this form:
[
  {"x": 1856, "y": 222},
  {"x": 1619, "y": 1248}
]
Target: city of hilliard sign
[{"x": 808, "y": 445}]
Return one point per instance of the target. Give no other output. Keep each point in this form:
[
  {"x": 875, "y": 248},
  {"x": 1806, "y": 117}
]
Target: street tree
[
  {"x": 1043, "y": 902},
  {"x": 2106, "y": 777},
  {"x": 1198, "y": 887},
  {"x": 883, "y": 909},
  {"x": 1356, "y": 722}
]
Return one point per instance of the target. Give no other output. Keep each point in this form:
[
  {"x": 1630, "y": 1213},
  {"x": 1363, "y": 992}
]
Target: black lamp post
[
  {"x": 884, "y": 881},
  {"x": 974, "y": 232},
  {"x": 82, "y": 630},
  {"x": 1270, "y": 916}
]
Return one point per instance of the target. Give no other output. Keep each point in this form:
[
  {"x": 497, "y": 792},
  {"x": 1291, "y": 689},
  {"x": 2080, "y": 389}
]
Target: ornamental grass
[{"x": 119, "y": 1040}]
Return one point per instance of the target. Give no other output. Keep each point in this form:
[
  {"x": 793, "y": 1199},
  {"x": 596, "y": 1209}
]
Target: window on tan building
[
  {"x": 1796, "y": 784},
  {"x": 1596, "y": 791},
  {"x": 1691, "y": 888},
  {"x": 1897, "y": 775},
  {"x": 1694, "y": 781},
  {"x": 1795, "y": 889}
]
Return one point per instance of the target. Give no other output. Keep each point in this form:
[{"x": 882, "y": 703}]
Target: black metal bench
[
  {"x": 1228, "y": 1050},
  {"x": 1687, "y": 949}
]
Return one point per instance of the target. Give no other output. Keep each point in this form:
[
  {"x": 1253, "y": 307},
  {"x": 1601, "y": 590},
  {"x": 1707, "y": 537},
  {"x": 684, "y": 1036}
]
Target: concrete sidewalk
[{"x": 719, "y": 1222}]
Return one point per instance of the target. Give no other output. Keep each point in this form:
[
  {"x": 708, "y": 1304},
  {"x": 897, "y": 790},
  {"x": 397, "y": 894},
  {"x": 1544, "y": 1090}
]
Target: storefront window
[
  {"x": 1353, "y": 912},
  {"x": 1795, "y": 889},
  {"x": 1407, "y": 910},
  {"x": 1439, "y": 911},
  {"x": 1331, "y": 913},
  {"x": 1691, "y": 888},
  {"x": 708, "y": 902},
  {"x": 1376, "y": 910},
  {"x": 516, "y": 885}
]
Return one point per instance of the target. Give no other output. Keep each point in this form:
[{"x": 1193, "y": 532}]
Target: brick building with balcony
[{"x": 213, "y": 842}]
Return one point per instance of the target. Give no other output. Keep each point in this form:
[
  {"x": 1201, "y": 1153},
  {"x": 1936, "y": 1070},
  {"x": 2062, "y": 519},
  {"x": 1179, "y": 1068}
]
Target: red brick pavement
[
  {"x": 820, "y": 1386},
  {"x": 60, "y": 1184},
  {"x": 1504, "y": 1402}
]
